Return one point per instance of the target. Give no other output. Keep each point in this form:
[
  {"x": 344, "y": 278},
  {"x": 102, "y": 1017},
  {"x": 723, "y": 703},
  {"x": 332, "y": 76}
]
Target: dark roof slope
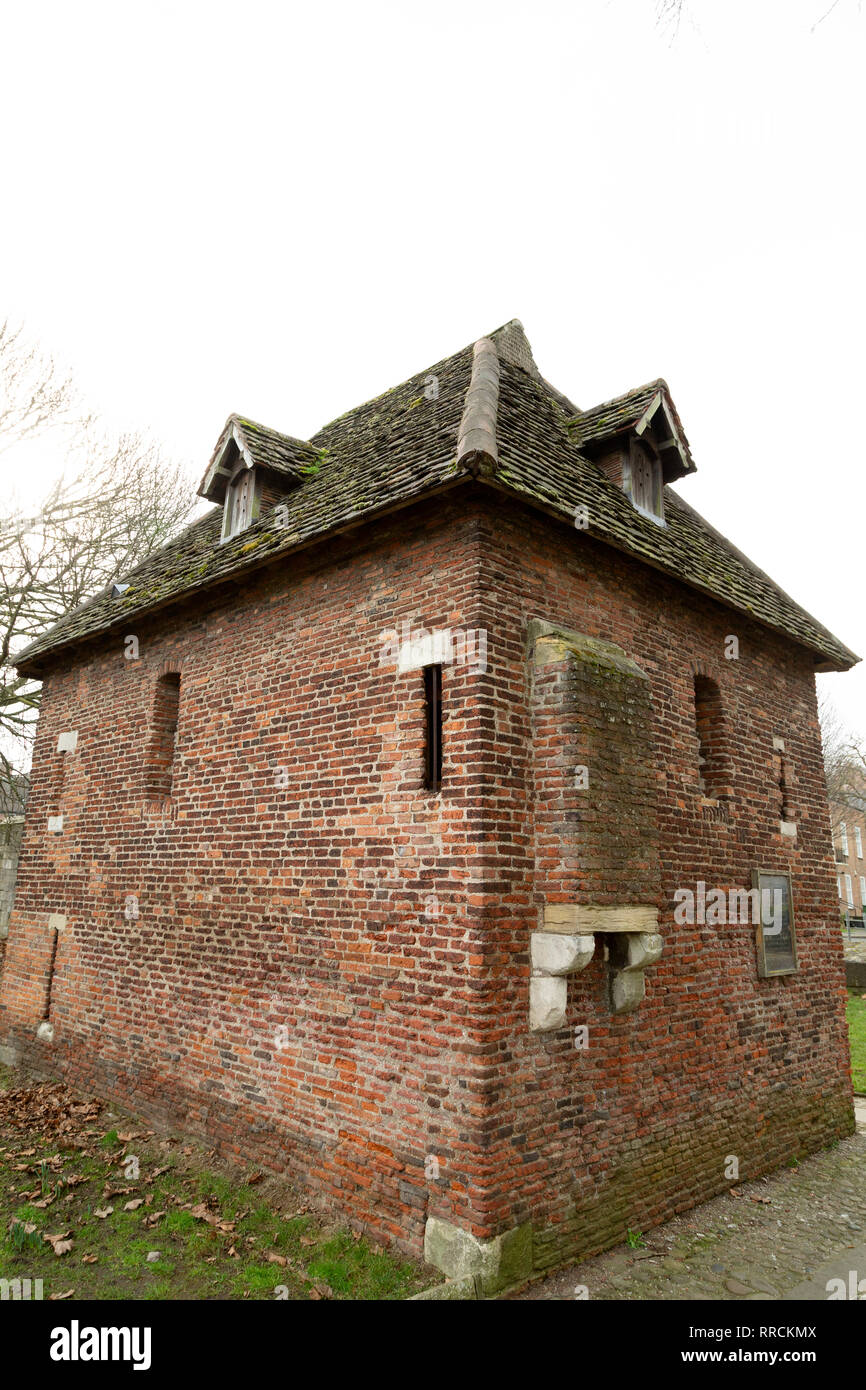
[{"x": 403, "y": 445}]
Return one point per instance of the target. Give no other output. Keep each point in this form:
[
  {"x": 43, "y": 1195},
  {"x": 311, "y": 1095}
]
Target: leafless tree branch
[{"x": 117, "y": 501}]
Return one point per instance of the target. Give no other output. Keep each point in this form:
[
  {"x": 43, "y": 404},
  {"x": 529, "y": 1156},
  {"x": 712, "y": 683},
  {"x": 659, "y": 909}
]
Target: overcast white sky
[{"x": 285, "y": 209}]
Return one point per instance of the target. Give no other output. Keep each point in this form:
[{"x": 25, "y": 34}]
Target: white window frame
[
  {"x": 849, "y": 890},
  {"x": 843, "y": 831},
  {"x": 858, "y": 842},
  {"x": 862, "y": 891}
]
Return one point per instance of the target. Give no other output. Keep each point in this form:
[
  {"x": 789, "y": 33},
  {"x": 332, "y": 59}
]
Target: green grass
[
  {"x": 857, "y": 1037},
  {"x": 198, "y": 1259}
]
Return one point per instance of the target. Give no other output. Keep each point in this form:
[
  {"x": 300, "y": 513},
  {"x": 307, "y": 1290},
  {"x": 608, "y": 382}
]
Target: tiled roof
[
  {"x": 404, "y": 444},
  {"x": 280, "y": 453}
]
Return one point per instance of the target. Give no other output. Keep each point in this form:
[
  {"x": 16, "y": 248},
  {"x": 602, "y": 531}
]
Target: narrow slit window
[
  {"x": 166, "y": 707},
  {"x": 781, "y": 774},
  {"x": 710, "y": 723},
  {"x": 433, "y": 728}
]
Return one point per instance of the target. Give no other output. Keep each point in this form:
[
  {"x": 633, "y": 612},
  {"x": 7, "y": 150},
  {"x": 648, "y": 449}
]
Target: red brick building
[
  {"x": 365, "y": 817},
  {"x": 849, "y": 838}
]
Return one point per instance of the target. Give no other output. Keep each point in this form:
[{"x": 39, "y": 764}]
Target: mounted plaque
[{"x": 775, "y": 936}]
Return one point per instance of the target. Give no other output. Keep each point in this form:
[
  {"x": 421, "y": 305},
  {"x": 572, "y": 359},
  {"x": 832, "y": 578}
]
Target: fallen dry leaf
[
  {"x": 201, "y": 1213},
  {"x": 102, "y": 1212},
  {"x": 134, "y": 1204},
  {"x": 275, "y": 1259},
  {"x": 754, "y": 1198},
  {"x": 254, "y": 1178},
  {"x": 89, "y": 1259},
  {"x": 61, "y": 1245},
  {"x": 58, "y": 1297}
]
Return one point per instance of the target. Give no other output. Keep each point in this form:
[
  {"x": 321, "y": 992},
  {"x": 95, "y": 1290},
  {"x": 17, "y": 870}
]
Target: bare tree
[
  {"x": 669, "y": 14},
  {"x": 118, "y": 500},
  {"x": 34, "y": 396}
]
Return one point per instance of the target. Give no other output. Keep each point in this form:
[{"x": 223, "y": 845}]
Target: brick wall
[
  {"x": 323, "y": 967},
  {"x": 716, "y": 1062}
]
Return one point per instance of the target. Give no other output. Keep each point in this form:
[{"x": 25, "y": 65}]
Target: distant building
[
  {"x": 849, "y": 838},
  {"x": 13, "y": 799}
]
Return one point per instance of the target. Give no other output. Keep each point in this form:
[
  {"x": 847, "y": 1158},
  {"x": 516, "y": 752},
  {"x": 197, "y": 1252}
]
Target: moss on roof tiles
[{"x": 401, "y": 445}]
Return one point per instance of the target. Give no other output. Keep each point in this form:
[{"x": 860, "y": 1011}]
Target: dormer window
[
  {"x": 239, "y": 508},
  {"x": 253, "y": 468},
  {"x": 638, "y": 442},
  {"x": 644, "y": 482}
]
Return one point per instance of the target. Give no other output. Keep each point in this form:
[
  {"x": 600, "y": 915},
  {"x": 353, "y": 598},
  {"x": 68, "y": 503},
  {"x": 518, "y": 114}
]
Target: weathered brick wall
[
  {"x": 716, "y": 1061},
  {"x": 298, "y": 982},
  {"x": 593, "y": 765},
  {"x": 329, "y": 967}
]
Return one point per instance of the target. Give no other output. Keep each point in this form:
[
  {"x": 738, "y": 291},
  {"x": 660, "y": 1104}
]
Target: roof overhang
[{"x": 658, "y": 426}]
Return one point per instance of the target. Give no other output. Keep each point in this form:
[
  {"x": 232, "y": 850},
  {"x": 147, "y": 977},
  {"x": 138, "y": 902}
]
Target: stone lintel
[{"x": 575, "y": 919}]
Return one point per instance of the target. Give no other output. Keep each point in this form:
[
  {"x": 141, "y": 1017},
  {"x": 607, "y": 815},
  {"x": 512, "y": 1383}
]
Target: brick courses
[{"x": 328, "y": 970}]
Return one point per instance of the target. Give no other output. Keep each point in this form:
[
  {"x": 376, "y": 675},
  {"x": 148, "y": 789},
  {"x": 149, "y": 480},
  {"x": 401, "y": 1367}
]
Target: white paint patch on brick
[
  {"x": 67, "y": 742},
  {"x": 55, "y": 825},
  {"x": 426, "y": 649}
]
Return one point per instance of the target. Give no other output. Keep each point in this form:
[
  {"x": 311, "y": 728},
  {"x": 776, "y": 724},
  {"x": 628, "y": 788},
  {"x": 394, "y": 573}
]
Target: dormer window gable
[
  {"x": 253, "y": 467},
  {"x": 638, "y": 441}
]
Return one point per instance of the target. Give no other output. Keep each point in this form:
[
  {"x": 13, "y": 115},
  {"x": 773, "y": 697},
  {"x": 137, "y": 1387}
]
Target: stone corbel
[
  {"x": 630, "y": 954},
  {"x": 554, "y": 956}
]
